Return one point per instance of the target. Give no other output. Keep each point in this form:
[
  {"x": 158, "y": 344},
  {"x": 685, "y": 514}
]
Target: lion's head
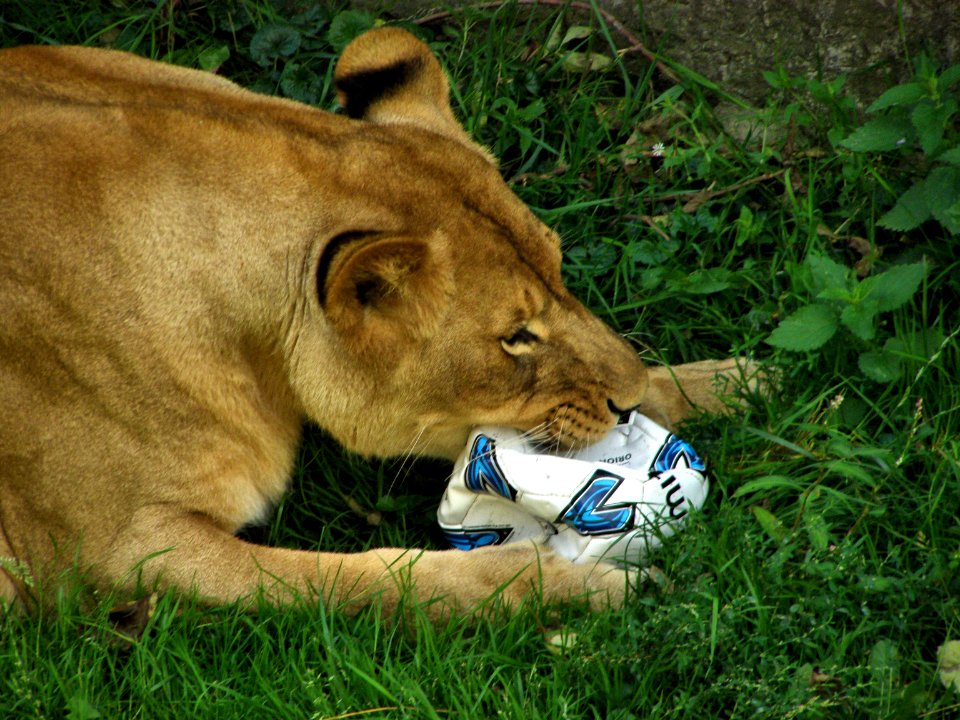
[{"x": 440, "y": 291}]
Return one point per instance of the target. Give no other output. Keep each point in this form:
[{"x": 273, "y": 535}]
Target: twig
[
  {"x": 523, "y": 178},
  {"x": 701, "y": 196},
  {"x": 648, "y": 220},
  {"x": 633, "y": 40},
  {"x": 856, "y": 523},
  {"x": 709, "y": 194},
  {"x": 940, "y": 711}
]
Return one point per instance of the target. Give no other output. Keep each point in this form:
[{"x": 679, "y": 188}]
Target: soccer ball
[{"x": 615, "y": 500}]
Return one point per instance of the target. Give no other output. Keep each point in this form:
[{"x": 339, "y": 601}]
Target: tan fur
[{"x": 171, "y": 318}]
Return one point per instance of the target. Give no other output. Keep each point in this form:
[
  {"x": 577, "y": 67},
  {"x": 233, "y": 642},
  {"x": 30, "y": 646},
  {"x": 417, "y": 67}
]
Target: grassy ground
[{"x": 823, "y": 574}]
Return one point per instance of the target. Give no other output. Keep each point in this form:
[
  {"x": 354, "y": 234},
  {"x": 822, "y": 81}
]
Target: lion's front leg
[
  {"x": 189, "y": 553},
  {"x": 467, "y": 581},
  {"x": 677, "y": 392}
]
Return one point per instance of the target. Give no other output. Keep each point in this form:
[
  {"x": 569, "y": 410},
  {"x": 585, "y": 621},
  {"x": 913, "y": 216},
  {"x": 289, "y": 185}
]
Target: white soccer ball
[{"x": 615, "y": 500}]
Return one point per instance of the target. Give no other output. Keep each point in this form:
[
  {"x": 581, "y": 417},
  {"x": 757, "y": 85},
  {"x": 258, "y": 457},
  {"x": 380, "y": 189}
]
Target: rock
[{"x": 733, "y": 41}]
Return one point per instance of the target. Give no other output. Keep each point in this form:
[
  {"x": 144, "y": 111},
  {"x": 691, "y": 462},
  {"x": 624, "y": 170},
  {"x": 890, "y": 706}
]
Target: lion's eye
[{"x": 523, "y": 336}]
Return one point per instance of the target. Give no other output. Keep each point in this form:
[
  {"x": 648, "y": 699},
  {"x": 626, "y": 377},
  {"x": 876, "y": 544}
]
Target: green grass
[{"x": 823, "y": 574}]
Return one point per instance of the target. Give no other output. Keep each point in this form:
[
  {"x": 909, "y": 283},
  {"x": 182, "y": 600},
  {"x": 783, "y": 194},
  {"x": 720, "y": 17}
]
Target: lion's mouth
[{"x": 571, "y": 425}]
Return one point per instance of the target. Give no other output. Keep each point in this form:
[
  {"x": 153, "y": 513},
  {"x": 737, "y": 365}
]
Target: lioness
[{"x": 189, "y": 270}]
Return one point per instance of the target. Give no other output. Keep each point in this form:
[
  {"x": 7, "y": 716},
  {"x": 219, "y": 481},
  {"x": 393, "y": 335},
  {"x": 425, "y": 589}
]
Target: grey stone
[{"x": 733, "y": 41}]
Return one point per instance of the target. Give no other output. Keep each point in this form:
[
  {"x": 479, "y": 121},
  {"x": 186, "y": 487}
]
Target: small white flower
[{"x": 658, "y": 149}]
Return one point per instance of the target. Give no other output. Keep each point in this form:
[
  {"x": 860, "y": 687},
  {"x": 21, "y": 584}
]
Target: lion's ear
[
  {"x": 388, "y": 76},
  {"x": 383, "y": 293}
]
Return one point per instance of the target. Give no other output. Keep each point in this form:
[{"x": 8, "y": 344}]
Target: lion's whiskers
[{"x": 407, "y": 457}]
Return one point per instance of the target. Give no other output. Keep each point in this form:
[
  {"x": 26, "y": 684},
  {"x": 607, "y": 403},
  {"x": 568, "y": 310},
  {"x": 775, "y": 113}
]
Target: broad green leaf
[
  {"x": 883, "y": 367},
  {"x": 651, "y": 252},
  {"x": 770, "y": 523},
  {"x": 347, "y": 26},
  {"x": 823, "y": 92},
  {"x": 79, "y": 708},
  {"x": 884, "y": 661},
  {"x": 576, "y": 32},
  {"x": 211, "y": 58},
  {"x": 586, "y": 61},
  {"x": 817, "y": 530},
  {"x": 942, "y": 190},
  {"x": 836, "y": 293},
  {"x": 894, "y": 287},
  {"x": 651, "y": 278},
  {"x": 532, "y": 111},
  {"x": 806, "y": 329},
  {"x": 836, "y": 85},
  {"x": 929, "y": 121},
  {"x": 950, "y": 218},
  {"x": 553, "y": 37},
  {"x": 299, "y": 83},
  {"x": 906, "y": 94},
  {"x": 825, "y": 273},
  {"x": 911, "y": 210},
  {"x": 860, "y": 318},
  {"x": 746, "y": 226},
  {"x": 882, "y": 133},
  {"x": 273, "y": 42},
  {"x": 313, "y": 19},
  {"x": 913, "y": 702},
  {"x": 916, "y": 346},
  {"x": 950, "y": 156},
  {"x": 779, "y": 79},
  {"x": 773, "y": 80},
  {"x": 841, "y": 447},
  {"x": 950, "y": 76},
  {"x": 951, "y": 104},
  {"x": 668, "y": 96},
  {"x": 710, "y": 280}
]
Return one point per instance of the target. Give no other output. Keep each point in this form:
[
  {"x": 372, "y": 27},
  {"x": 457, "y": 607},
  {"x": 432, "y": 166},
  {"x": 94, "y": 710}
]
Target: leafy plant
[
  {"x": 841, "y": 300},
  {"x": 287, "y": 47},
  {"x": 919, "y": 115},
  {"x": 814, "y": 104}
]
